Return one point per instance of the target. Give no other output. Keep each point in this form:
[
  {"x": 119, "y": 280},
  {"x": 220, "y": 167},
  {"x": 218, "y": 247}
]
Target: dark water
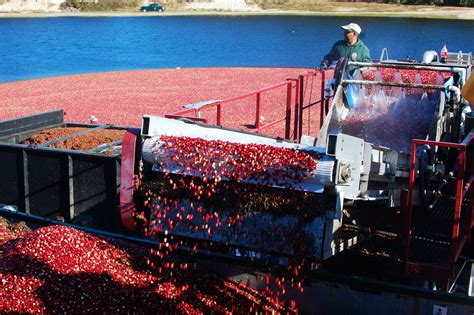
[{"x": 32, "y": 48}]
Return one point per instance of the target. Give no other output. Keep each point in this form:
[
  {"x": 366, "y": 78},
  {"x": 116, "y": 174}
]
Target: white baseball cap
[{"x": 353, "y": 27}]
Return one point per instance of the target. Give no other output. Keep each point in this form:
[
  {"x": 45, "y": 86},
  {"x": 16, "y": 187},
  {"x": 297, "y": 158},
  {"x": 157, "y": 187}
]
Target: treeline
[{"x": 453, "y": 3}]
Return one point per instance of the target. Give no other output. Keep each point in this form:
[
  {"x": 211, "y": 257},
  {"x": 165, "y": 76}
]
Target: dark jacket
[{"x": 356, "y": 52}]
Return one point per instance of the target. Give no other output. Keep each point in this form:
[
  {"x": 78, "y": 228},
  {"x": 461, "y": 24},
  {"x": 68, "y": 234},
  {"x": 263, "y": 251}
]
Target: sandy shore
[{"x": 389, "y": 11}]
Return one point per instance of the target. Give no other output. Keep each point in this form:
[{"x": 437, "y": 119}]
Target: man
[{"x": 351, "y": 48}]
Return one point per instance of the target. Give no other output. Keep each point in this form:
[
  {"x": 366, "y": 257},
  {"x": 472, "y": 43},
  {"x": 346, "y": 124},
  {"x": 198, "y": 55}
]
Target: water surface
[{"x": 43, "y": 47}]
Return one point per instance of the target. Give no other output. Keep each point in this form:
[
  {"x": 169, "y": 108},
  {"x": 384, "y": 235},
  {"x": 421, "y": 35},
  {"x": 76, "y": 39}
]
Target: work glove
[{"x": 323, "y": 65}]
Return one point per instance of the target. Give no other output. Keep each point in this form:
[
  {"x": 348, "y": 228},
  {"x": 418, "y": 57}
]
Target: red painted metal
[
  {"x": 322, "y": 112},
  {"x": 459, "y": 244},
  {"x": 128, "y": 178},
  {"x": 471, "y": 206},
  {"x": 288, "y": 111},
  {"x": 300, "y": 110},
  {"x": 273, "y": 123},
  {"x": 457, "y": 240},
  {"x": 258, "y": 127},
  {"x": 219, "y": 114},
  {"x": 467, "y": 186},
  {"x": 411, "y": 185},
  {"x": 257, "y": 112},
  {"x": 468, "y": 191},
  {"x": 297, "y": 110},
  {"x": 267, "y": 89},
  {"x": 457, "y": 208},
  {"x": 406, "y": 223},
  {"x": 439, "y": 143},
  {"x": 304, "y": 81}
]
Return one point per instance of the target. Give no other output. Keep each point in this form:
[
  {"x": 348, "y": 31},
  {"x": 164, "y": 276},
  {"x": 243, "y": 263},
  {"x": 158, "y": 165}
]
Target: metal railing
[
  {"x": 304, "y": 103},
  {"x": 296, "y": 103},
  {"x": 463, "y": 188},
  {"x": 290, "y": 85}
]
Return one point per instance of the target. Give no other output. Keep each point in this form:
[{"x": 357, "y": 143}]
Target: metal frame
[
  {"x": 463, "y": 189},
  {"x": 218, "y": 105},
  {"x": 301, "y": 106},
  {"x": 293, "y": 102},
  {"x": 14, "y": 128},
  {"x": 408, "y": 65},
  {"x": 128, "y": 178},
  {"x": 403, "y": 85}
]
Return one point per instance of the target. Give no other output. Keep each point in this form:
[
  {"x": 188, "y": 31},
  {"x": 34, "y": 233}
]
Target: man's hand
[{"x": 323, "y": 65}]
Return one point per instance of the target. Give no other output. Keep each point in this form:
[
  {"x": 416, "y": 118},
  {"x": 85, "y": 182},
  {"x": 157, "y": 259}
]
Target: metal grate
[{"x": 431, "y": 238}]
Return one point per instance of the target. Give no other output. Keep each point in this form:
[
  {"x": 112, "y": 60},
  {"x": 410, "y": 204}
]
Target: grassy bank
[{"x": 295, "y": 7}]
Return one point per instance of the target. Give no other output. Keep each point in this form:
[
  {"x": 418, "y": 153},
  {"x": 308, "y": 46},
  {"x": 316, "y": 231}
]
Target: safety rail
[
  {"x": 463, "y": 188},
  {"x": 295, "y": 101},
  {"x": 258, "y": 126},
  {"x": 303, "y": 82}
]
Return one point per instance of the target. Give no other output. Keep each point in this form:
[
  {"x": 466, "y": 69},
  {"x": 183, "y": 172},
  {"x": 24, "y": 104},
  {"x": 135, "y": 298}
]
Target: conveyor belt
[{"x": 313, "y": 181}]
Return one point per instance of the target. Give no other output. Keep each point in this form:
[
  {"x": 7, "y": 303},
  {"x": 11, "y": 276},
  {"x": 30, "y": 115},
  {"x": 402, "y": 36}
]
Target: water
[
  {"x": 378, "y": 115},
  {"x": 43, "y": 47}
]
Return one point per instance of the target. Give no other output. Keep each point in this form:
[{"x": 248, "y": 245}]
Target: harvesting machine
[
  {"x": 392, "y": 160},
  {"x": 365, "y": 158}
]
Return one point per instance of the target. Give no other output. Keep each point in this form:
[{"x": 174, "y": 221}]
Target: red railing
[
  {"x": 258, "y": 126},
  {"x": 305, "y": 103},
  {"x": 462, "y": 189},
  {"x": 297, "y": 102}
]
